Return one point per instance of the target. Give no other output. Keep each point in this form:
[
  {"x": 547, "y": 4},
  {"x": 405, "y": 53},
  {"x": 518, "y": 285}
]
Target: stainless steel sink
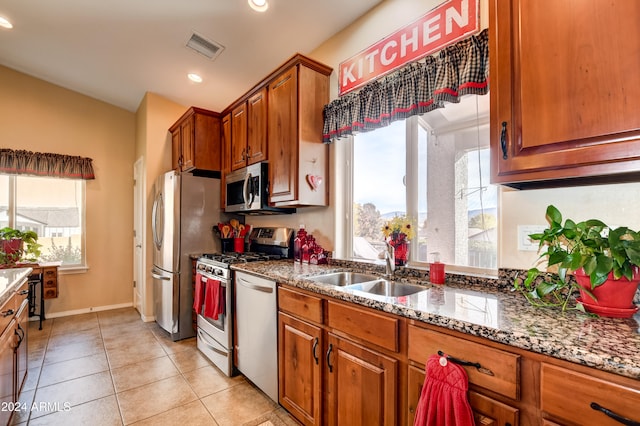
[
  {"x": 344, "y": 278},
  {"x": 386, "y": 288}
]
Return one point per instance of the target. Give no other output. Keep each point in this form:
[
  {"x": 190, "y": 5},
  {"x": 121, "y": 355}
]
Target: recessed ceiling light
[
  {"x": 4, "y": 22},
  {"x": 194, "y": 77},
  {"x": 259, "y": 5}
]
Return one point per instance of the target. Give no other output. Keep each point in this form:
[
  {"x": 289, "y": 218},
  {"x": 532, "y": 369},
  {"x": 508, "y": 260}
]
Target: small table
[{"x": 44, "y": 275}]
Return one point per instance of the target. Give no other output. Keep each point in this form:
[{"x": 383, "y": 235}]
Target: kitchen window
[
  {"x": 52, "y": 207},
  {"x": 435, "y": 169}
]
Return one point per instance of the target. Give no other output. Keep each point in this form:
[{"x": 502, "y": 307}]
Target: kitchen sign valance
[
  {"x": 420, "y": 87},
  {"x": 22, "y": 162}
]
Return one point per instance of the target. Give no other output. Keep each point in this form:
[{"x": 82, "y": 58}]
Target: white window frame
[
  {"x": 12, "y": 213},
  {"x": 344, "y": 156}
]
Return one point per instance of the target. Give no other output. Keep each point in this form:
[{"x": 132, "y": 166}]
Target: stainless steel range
[{"x": 215, "y": 279}]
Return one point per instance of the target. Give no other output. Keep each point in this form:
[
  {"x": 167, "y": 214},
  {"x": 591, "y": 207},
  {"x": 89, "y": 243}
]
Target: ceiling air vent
[{"x": 205, "y": 47}]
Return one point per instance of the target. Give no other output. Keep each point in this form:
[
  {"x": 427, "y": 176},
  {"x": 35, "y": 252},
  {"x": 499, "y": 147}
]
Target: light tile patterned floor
[{"x": 110, "y": 368}]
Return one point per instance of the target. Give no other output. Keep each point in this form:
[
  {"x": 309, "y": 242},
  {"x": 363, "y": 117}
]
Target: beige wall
[
  {"x": 517, "y": 207},
  {"x": 154, "y": 116},
  {"x": 39, "y": 116}
]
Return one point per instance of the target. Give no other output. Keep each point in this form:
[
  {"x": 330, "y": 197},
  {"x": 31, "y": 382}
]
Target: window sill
[
  {"x": 424, "y": 267},
  {"x": 70, "y": 270}
]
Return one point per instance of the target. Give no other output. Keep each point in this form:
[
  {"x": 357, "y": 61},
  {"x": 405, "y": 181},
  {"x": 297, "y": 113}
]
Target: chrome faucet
[{"x": 390, "y": 259}]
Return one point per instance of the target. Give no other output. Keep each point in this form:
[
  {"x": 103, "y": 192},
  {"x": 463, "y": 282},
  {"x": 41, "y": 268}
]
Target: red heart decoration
[{"x": 314, "y": 181}]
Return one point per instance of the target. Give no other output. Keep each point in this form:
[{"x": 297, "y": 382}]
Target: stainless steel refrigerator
[{"x": 185, "y": 209}]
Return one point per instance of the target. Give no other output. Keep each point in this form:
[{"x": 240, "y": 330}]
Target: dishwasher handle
[{"x": 247, "y": 284}]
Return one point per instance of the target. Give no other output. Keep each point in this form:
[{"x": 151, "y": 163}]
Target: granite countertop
[
  {"x": 9, "y": 280},
  {"x": 608, "y": 344}
]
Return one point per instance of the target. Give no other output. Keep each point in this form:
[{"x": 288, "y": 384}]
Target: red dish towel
[
  {"x": 443, "y": 400},
  {"x": 214, "y": 299},
  {"x": 198, "y": 294}
]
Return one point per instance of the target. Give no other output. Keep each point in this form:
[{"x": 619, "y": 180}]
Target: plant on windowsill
[
  {"x": 604, "y": 262},
  {"x": 18, "y": 246}
]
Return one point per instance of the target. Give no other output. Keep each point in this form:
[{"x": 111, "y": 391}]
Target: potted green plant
[
  {"x": 604, "y": 263},
  {"x": 18, "y": 246}
]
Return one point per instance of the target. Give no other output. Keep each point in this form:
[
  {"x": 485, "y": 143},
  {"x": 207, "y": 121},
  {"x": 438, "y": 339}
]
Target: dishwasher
[{"x": 257, "y": 331}]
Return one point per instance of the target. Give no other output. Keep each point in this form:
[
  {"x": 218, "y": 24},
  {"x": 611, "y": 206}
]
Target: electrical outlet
[{"x": 524, "y": 242}]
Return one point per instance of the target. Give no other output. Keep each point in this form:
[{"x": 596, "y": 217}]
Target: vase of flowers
[{"x": 398, "y": 232}]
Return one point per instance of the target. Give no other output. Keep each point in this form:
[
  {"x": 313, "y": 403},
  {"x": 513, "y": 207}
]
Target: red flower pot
[
  {"x": 615, "y": 294},
  {"x": 12, "y": 248}
]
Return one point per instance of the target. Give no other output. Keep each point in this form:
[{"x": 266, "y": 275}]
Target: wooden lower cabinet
[
  {"x": 344, "y": 364},
  {"x": 486, "y": 411},
  {"x": 300, "y": 368},
  {"x": 591, "y": 398},
  {"x": 361, "y": 385},
  {"x": 326, "y": 378},
  {"x": 7, "y": 365}
]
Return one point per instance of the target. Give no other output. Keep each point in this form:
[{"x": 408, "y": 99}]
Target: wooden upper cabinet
[
  {"x": 298, "y": 160},
  {"x": 564, "y": 99},
  {"x": 283, "y": 149},
  {"x": 226, "y": 156},
  {"x": 257, "y": 127},
  {"x": 239, "y": 137},
  {"x": 249, "y": 131},
  {"x": 196, "y": 141}
]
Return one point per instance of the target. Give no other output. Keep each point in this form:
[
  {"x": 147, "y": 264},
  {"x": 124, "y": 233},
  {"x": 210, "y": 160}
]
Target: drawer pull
[
  {"x": 7, "y": 313},
  {"x": 617, "y": 417},
  {"x": 477, "y": 365},
  {"x": 23, "y": 292}
]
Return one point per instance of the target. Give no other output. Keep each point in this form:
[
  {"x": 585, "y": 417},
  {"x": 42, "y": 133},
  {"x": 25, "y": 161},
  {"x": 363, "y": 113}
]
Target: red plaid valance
[
  {"x": 45, "y": 164},
  {"x": 457, "y": 70}
]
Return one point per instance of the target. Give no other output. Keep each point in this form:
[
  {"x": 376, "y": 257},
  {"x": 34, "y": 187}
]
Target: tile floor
[{"x": 110, "y": 368}]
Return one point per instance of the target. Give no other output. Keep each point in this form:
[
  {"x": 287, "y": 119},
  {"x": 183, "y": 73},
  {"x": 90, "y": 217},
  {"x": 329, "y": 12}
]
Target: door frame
[{"x": 139, "y": 249}]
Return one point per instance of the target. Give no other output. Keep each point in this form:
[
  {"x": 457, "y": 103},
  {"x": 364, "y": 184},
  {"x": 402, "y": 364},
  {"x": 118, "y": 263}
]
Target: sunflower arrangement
[{"x": 398, "y": 227}]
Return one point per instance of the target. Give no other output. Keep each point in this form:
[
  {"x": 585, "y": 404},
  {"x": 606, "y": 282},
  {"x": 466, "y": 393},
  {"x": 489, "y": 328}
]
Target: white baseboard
[
  {"x": 50, "y": 315},
  {"x": 146, "y": 318}
]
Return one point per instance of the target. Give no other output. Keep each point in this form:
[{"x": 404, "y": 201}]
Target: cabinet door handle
[
  {"x": 315, "y": 347},
  {"x": 617, "y": 417},
  {"x": 459, "y": 361},
  {"x": 329, "y": 358},
  {"x": 23, "y": 292},
  {"x": 7, "y": 313},
  {"x": 503, "y": 140}
]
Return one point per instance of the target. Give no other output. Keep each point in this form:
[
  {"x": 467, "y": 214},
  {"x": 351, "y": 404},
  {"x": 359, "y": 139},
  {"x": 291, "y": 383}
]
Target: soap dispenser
[{"x": 436, "y": 269}]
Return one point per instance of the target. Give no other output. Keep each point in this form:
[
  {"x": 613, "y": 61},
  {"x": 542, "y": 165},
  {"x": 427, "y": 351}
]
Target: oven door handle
[
  {"x": 222, "y": 280},
  {"x": 213, "y": 348},
  {"x": 247, "y": 284}
]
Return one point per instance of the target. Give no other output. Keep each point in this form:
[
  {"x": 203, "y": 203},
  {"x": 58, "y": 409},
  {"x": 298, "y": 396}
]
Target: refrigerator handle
[
  {"x": 157, "y": 239},
  {"x": 155, "y": 275}
]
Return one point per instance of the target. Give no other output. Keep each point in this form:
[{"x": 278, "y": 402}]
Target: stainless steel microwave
[{"x": 247, "y": 191}]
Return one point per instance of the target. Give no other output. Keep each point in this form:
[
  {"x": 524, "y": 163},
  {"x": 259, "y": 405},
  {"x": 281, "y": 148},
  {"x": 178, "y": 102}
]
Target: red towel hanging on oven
[
  {"x": 198, "y": 294},
  {"x": 443, "y": 400},
  {"x": 214, "y": 299}
]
